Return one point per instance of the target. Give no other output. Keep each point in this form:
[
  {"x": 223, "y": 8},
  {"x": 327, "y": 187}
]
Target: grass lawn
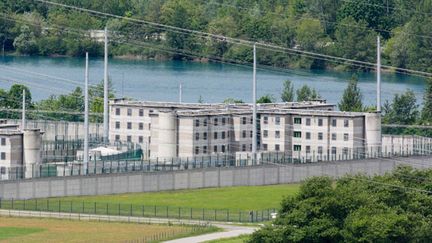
[
  {"x": 55, "y": 230},
  {"x": 10, "y": 232},
  {"x": 238, "y": 198}
]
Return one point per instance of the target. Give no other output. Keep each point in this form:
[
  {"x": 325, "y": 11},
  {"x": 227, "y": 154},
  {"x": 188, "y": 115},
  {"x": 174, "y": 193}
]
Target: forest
[{"x": 342, "y": 28}]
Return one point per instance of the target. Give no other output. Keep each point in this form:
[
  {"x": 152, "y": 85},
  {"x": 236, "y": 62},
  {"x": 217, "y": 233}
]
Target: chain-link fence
[{"x": 133, "y": 210}]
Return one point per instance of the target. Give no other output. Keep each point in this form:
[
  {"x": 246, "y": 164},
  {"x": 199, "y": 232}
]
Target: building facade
[
  {"x": 20, "y": 150},
  {"x": 311, "y": 130}
]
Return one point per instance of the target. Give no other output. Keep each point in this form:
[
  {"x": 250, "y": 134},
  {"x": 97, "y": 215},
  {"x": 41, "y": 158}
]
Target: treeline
[
  {"x": 337, "y": 27},
  {"x": 65, "y": 107},
  {"x": 390, "y": 208}
]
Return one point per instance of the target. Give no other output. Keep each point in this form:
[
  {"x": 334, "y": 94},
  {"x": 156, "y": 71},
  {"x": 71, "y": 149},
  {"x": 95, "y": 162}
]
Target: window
[
  {"x": 265, "y": 147},
  {"x": 308, "y": 149},
  {"x": 297, "y": 147},
  {"x": 149, "y": 126},
  {"x": 250, "y": 147},
  {"x": 205, "y": 122},
  {"x": 308, "y": 121},
  {"x": 244, "y": 134},
  {"x": 129, "y": 139},
  {"x": 345, "y": 151},
  {"x": 141, "y": 112},
  {"x": 223, "y": 121},
  {"x": 140, "y": 139},
  {"x": 277, "y": 134},
  {"x": 266, "y": 120},
  {"x": 205, "y": 136},
  {"x": 333, "y": 150},
  {"x": 277, "y": 120},
  {"x": 215, "y": 149},
  {"x": 117, "y": 111},
  {"x": 346, "y": 123},
  {"x": 3, "y": 170},
  {"x": 334, "y": 136},
  {"x": 320, "y": 136},
  {"x": 149, "y": 140},
  {"x": 244, "y": 120},
  {"x": 215, "y": 135},
  {"x": 215, "y": 122},
  {"x": 117, "y": 125},
  {"x": 129, "y": 125},
  {"x": 197, "y": 136},
  {"x": 251, "y": 134},
  {"x": 117, "y": 137},
  {"x": 277, "y": 147},
  {"x": 334, "y": 123},
  {"x": 204, "y": 149},
  {"x": 244, "y": 147},
  {"x": 297, "y": 120},
  {"x": 223, "y": 135},
  {"x": 196, "y": 150},
  {"x": 265, "y": 133},
  {"x": 308, "y": 136},
  {"x": 346, "y": 137},
  {"x": 3, "y": 141},
  {"x": 320, "y": 150},
  {"x": 297, "y": 134},
  {"x": 223, "y": 148},
  {"x": 251, "y": 120},
  {"x": 141, "y": 126},
  {"x": 129, "y": 112},
  {"x": 197, "y": 123},
  {"x": 320, "y": 122}
]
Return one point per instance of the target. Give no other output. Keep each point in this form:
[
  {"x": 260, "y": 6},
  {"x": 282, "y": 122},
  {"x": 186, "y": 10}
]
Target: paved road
[{"x": 229, "y": 231}]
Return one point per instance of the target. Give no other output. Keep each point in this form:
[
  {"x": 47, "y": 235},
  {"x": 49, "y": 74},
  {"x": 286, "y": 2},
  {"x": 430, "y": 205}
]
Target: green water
[{"x": 159, "y": 80}]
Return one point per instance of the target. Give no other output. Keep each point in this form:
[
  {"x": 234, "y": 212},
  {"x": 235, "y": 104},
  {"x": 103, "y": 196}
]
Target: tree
[
  {"x": 25, "y": 42},
  {"x": 96, "y": 94},
  {"x": 306, "y": 93},
  {"x": 355, "y": 43},
  {"x": 15, "y": 96},
  {"x": 427, "y": 103},
  {"x": 288, "y": 91},
  {"x": 232, "y": 101},
  {"x": 403, "y": 110},
  {"x": 352, "y": 97},
  {"x": 266, "y": 99}
]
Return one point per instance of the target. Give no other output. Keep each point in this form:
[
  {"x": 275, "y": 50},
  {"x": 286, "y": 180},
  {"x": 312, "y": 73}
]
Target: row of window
[
  {"x": 129, "y": 125},
  {"x": 129, "y": 139},
  {"x": 298, "y": 148},
  {"x": 298, "y": 121},
  {"x": 320, "y": 136},
  {"x": 129, "y": 112},
  {"x": 204, "y": 149},
  {"x": 223, "y": 135},
  {"x": 266, "y": 120},
  {"x": 223, "y": 121}
]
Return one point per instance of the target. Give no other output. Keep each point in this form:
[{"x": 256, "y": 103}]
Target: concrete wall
[
  {"x": 193, "y": 179},
  {"x": 61, "y": 129}
]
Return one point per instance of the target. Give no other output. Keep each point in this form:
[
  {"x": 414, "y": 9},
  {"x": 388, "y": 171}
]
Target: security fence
[
  {"x": 130, "y": 162},
  {"x": 133, "y": 210}
]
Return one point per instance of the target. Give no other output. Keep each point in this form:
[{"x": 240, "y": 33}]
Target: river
[{"x": 159, "y": 80}]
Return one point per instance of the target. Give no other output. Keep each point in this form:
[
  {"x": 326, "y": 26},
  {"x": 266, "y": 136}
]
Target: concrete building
[
  {"x": 167, "y": 130},
  {"x": 19, "y": 149}
]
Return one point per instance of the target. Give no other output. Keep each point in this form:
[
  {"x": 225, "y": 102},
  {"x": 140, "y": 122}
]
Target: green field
[
  {"x": 235, "y": 204},
  {"x": 239, "y": 239},
  {"x": 55, "y": 230},
  {"x": 11, "y": 232},
  {"x": 236, "y": 198}
]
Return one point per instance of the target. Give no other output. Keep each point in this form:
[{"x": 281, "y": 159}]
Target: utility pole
[
  {"x": 254, "y": 97},
  {"x": 378, "y": 74},
  {"x": 180, "y": 92},
  {"x": 105, "y": 119},
  {"x": 23, "y": 116},
  {"x": 86, "y": 117}
]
